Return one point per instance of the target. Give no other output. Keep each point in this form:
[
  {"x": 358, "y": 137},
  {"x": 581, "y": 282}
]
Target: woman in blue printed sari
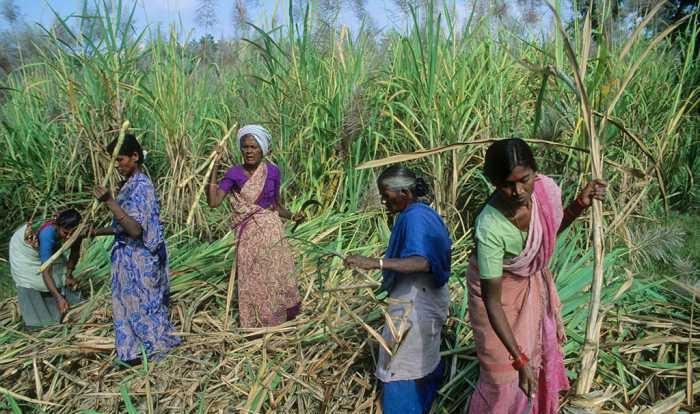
[
  {"x": 140, "y": 285},
  {"x": 416, "y": 268}
]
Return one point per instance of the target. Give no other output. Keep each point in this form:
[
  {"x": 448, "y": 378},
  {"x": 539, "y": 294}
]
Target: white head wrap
[
  {"x": 262, "y": 136},
  {"x": 399, "y": 183}
]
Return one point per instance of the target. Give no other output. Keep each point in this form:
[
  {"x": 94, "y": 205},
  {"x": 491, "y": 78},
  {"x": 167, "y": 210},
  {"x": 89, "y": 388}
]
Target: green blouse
[{"x": 496, "y": 239}]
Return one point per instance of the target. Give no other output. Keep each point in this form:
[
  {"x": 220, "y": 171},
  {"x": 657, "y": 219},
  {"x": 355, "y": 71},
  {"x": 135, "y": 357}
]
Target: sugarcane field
[{"x": 352, "y": 206}]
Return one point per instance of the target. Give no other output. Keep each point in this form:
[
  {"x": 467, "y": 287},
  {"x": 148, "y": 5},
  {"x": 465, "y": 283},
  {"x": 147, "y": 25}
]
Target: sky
[{"x": 164, "y": 13}]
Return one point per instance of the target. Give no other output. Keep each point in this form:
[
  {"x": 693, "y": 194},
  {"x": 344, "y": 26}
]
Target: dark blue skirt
[{"x": 412, "y": 396}]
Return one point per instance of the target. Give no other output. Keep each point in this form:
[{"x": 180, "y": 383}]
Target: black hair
[
  {"x": 68, "y": 219},
  {"x": 504, "y": 155},
  {"x": 420, "y": 187},
  {"x": 129, "y": 147}
]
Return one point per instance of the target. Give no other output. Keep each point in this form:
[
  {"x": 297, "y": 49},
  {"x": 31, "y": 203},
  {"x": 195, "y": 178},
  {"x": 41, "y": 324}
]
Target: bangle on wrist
[
  {"x": 520, "y": 361},
  {"x": 381, "y": 264}
]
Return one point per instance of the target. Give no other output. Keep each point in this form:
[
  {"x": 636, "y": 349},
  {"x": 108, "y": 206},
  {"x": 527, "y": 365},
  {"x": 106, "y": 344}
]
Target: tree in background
[
  {"x": 326, "y": 13},
  {"x": 240, "y": 18},
  {"x": 206, "y": 19},
  {"x": 612, "y": 20},
  {"x": 9, "y": 11},
  {"x": 206, "y": 14},
  {"x": 621, "y": 11}
]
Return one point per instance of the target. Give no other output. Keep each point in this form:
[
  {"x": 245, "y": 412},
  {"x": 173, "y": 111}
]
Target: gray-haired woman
[{"x": 416, "y": 268}]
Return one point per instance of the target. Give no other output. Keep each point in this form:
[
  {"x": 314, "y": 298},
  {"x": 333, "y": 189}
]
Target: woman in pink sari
[
  {"x": 514, "y": 308},
  {"x": 267, "y": 287}
]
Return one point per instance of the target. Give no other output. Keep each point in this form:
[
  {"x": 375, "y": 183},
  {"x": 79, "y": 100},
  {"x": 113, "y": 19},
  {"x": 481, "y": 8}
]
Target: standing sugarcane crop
[
  {"x": 44, "y": 297},
  {"x": 267, "y": 287},
  {"x": 415, "y": 269},
  {"x": 140, "y": 280},
  {"x": 514, "y": 307}
]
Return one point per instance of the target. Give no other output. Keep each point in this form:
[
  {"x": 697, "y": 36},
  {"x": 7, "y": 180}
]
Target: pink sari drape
[
  {"x": 531, "y": 304},
  {"x": 267, "y": 287}
]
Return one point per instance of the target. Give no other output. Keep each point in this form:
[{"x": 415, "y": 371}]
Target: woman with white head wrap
[
  {"x": 267, "y": 288},
  {"x": 260, "y": 135}
]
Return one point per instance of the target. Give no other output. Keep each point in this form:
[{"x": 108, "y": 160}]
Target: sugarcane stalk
[
  {"x": 213, "y": 157},
  {"x": 93, "y": 207},
  {"x": 229, "y": 295},
  {"x": 589, "y": 355},
  {"x": 198, "y": 170},
  {"x": 212, "y": 163},
  {"x": 5, "y": 391}
]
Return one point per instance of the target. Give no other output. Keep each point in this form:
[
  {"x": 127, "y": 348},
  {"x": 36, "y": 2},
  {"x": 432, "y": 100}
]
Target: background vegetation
[{"x": 334, "y": 99}]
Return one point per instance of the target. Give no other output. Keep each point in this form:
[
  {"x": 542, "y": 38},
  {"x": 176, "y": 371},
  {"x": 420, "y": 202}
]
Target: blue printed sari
[{"x": 140, "y": 285}]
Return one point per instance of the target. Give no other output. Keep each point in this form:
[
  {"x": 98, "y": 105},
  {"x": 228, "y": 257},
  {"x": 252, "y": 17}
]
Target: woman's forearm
[
  {"x": 413, "y": 264},
  {"x": 284, "y": 212},
  {"x": 47, "y": 276},
  {"x": 74, "y": 257},
  {"x": 594, "y": 190},
  {"x": 131, "y": 226},
  {"x": 571, "y": 213},
  {"x": 104, "y": 231},
  {"x": 491, "y": 293},
  {"x": 281, "y": 207},
  {"x": 211, "y": 188},
  {"x": 215, "y": 195}
]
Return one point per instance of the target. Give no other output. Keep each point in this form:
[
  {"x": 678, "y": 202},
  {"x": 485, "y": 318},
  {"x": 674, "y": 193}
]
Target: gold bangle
[{"x": 121, "y": 218}]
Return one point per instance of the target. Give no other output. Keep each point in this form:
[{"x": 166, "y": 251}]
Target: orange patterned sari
[{"x": 267, "y": 288}]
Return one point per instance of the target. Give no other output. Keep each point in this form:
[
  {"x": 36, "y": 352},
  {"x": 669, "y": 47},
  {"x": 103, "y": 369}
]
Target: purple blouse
[{"x": 235, "y": 178}]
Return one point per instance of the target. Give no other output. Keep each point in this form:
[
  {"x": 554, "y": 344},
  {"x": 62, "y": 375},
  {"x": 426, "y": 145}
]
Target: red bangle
[{"x": 520, "y": 361}]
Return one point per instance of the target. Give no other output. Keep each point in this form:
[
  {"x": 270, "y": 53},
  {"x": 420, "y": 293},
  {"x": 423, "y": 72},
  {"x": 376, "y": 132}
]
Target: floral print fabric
[
  {"x": 140, "y": 283},
  {"x": 267, "y": 288}
]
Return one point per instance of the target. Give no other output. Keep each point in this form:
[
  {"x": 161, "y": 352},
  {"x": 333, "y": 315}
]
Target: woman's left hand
[
  {"x": 594, "y": 190},
  {"x": 361, "y": 262},
  {"x": 298, "y": 217},
  {"x": 220, "y": 150},
  {"x": 102, "y": 194}
]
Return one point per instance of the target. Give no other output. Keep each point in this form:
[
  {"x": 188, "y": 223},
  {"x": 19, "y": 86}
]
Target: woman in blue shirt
[
  {"x": 44, "y": 297},
  {"x": 416, "y": 268}
]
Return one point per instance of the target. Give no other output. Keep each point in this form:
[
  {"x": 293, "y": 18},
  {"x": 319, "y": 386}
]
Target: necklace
[
  {"x": 521, "y": 233},
  {"x": 511, "y": 215},
  {"x": 516, "y": 221}
]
